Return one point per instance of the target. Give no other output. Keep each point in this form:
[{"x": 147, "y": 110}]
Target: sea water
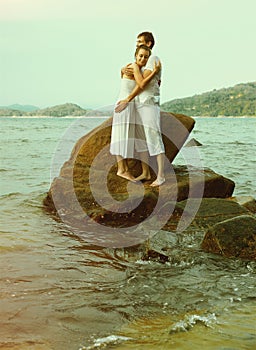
[{"x": 58, "y": 292}]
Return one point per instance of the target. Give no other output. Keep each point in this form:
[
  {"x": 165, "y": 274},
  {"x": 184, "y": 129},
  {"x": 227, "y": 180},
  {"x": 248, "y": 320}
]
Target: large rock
[
  {"x": 219, "y": 226},
  {"x": 93, "y": 149},
  {"x": 234, "y": 237},
  {"x": 210, "y": 211},
  {"x": 88, "y": 177},
  {"x": 176, "y": 128},
  {"x": 88, "y": 190},
  {"x": 181, "y": 183},
  {"x": 247, "y": 202},
  {"x": 196, "y": 217}
]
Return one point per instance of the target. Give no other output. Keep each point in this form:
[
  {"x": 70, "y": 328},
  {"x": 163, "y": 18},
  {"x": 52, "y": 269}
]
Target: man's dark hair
[{"x": 148, "y": 36}]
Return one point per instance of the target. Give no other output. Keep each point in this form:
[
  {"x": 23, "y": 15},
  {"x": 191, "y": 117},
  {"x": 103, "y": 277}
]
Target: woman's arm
[
  {"x": 121, "y": 105},
  {"x": 148, "y": 75},
  {"x": 143, "y": 80}
]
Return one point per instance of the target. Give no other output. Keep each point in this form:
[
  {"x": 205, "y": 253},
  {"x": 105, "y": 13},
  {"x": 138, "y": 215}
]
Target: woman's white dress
[{"x": 123, "y": 125}]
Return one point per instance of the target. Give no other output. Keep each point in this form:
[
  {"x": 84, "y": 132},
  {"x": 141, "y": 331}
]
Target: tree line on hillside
[
  {"x": 67, "y": 109},
  {"x": 239, "y": 100}
]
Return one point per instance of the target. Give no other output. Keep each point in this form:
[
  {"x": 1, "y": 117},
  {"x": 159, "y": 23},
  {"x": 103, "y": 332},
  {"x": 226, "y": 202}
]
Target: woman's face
[{"x": 142, "y": 57}]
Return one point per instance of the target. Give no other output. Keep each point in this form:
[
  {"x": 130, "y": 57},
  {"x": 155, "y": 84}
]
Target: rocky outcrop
[
  {"x": 191, "y": 200},
  {"x": 75, "y": 178},
  {"x": 211, "y": 214}
]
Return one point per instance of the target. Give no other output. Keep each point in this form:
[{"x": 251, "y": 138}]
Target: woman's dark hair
[
  {"x": 148, "y": 36},
  {"x": 142, "y": 47}
]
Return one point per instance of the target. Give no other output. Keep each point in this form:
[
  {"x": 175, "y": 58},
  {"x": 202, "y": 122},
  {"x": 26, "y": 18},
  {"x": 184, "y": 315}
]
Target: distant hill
[
  {"x": 239, "y": 100},
  {"x": 67, "y": 109},
  {"x": 23, "y": 108}
]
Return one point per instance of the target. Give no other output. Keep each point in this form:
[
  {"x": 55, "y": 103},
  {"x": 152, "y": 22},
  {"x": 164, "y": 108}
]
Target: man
[{"x": 147, "y": 114}]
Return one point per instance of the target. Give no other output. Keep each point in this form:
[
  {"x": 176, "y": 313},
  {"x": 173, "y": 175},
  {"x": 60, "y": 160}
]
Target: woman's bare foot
[
  {"x": 158, "y": 182},
  {"x": 126, "y": 175},
  {"x": 143, "y": 177}
]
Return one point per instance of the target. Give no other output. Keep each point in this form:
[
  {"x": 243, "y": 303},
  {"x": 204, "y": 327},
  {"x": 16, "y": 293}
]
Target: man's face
[{"x": 141, "y": 41}]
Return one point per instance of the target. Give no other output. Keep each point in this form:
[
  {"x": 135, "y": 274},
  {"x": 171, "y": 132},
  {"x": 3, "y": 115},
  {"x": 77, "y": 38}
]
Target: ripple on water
[{"x": 198, "y": 330}]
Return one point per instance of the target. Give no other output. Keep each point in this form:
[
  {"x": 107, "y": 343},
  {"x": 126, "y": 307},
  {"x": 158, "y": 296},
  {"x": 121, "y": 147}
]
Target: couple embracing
[{"x": 136, "y": 120}]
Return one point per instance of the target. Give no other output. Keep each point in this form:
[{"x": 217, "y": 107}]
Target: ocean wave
[
  {"x": 2, "y": 170},
  {"x": 191, "y": 320},
  {"x": 11, "y": 195}
]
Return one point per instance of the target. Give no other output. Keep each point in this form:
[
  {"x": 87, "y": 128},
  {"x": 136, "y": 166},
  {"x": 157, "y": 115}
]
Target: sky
[{"x": 58, "y": 51}]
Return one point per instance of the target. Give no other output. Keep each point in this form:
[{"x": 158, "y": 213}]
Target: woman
[{"x": 123, "y": 127}]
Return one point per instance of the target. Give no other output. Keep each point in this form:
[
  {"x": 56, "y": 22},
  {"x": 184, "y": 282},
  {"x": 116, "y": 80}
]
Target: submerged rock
[
  {"x": 234, "y": 237},
  {"x": 192, "y": 143},
  {"x": 210, "y": 212}
]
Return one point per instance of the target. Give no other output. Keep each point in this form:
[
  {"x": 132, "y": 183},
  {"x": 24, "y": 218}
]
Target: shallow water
[{"x": 59, "y": 293}]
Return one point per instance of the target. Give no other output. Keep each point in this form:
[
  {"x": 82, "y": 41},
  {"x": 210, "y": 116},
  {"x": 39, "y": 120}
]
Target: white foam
[
  {"x": 101, "y": 342},
  {"x": 191, "y": 320}
]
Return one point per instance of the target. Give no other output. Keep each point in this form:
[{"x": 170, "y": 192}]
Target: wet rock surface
[{"x": 234, "y": 237}]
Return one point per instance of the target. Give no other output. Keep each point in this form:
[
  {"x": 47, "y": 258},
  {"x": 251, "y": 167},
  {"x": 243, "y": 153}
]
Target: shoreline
[
  {"x": 105, "y": 116},
  {"x": 51, "y": 117}
]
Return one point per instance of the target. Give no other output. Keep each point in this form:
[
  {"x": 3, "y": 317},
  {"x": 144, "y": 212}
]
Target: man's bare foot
[
  {"x": 143, "y": 177},
  {"x": 126, "y": 175},
  {"x": 158, "y": 182}
]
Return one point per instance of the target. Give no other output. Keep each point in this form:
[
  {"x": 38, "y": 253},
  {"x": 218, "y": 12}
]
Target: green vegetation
[
  {"x": 239, "y": 100},
  {"x": 4, "y": 112},
  {"x": 67, "y": 109},
  {"x": 23, "y": 108}
]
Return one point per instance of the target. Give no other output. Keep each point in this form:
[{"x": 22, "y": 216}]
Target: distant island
[
  {"x": 64, "y": 110},
  {"x": 17, "y": 107},
  {"x": 67, "y": 109},
  {"x": 239, "y": 100}
]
